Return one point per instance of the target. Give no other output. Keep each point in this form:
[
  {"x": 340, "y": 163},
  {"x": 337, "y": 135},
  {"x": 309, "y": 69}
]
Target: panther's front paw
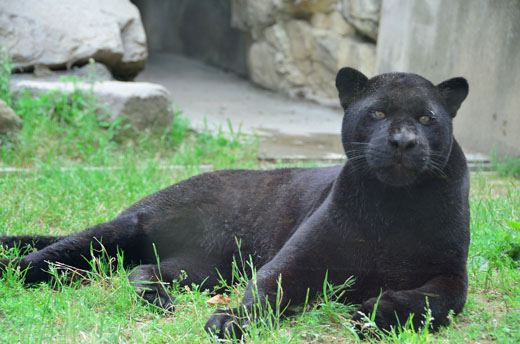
[
  {"x": 225, "y": 324},
  {"x": 156, "y": 295},
  {"x": 385, "y": 317}
]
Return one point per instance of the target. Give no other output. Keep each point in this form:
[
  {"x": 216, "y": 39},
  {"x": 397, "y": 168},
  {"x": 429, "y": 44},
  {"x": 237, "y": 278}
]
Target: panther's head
[{"x": 398, "y": 126}]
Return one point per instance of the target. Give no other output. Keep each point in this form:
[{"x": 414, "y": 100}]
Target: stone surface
[
  {"x": 302, "y": 60},
  {"x": 142, "y": 104},
  {"x": 94, "y": 71},
  {"x": 254, "y": 16},
  {"x": 479, "y": 40},
  {"x": 90, "y": 72},
  {"x": 299, "y": 45},
  {"x": 334, "y": 22},
  {"x": 61, "y": 34},
  {"x": 357, "y": 54},
  {"x": 309, "y": 7},
  {"x": 10, "y": 123},
  {"x": 363, "y": 14}
]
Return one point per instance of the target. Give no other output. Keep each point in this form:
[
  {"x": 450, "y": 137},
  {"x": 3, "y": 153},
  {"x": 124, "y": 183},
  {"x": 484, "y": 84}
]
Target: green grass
[
  {"x": 506, "y": 166},
  {"x": 104, "y": 308},
  {"x": 68, "y": 129},
  {"x": 64, "y": 131},
  {"x": 5, "y": 75}
]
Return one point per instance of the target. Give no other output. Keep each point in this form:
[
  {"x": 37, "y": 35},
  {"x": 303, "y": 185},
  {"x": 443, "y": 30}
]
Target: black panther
[{"x": 395, "y": 216}]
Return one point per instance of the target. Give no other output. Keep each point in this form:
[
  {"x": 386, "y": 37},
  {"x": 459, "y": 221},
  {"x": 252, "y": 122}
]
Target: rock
[
  {"x": 333, "y": 21},
  {"x": 94, "y": 71},
  {"x": 253, "y": 16},
  {"x": 61, "y": 34},
  {"x": 142, "y": 104},
  {"x": 330, "y": 52},
  {"x": 262, "y": 65},
  {"x": 41, "y": 71},
  {"x": 299, "y": 45},
  {"x": 363, "y": 14},
  {"x": 278, "y": 61},
  {"x": 10, "y": 123},
  {"x": 334, "y": 51},
  {"x": 300, "y": 59},
  {"x": 306, "y": 8},
  {"x": 357, "y": 54}
]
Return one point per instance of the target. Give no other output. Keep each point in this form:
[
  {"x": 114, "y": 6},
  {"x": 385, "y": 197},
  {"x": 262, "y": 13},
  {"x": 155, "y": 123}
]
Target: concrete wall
[
  {"x": 199, "y": 29},
  {"x": 477, "y": 39}
]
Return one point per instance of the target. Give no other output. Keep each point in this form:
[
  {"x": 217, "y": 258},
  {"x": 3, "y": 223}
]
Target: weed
[
  {"x": 506, "y": 166},
  {"x": 5, "y": 75},
  {"x": 60, "y": 126}
]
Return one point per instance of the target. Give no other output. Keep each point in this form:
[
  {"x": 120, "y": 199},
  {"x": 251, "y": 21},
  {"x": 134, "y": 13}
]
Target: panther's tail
[{"x": 36, "y": 241}]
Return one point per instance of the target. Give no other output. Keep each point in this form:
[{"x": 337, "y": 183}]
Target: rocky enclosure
[
  {"x": 291, "y": 46},
  {"x": 298, "y": 45}
]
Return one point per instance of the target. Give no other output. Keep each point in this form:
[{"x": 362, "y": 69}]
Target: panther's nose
[{"x": 403, "y": 140}]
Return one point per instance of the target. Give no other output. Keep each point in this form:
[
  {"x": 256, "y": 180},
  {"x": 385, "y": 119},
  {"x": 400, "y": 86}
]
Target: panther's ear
[
  {"x": 454, "y": 91},
  {"x": 349, "y": 83}
]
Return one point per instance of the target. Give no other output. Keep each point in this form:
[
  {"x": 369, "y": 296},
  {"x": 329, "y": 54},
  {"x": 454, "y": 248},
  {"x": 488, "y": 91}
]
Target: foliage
[
  {"x": 5, "y": 75},
  {"x": 507, "y": 166},
  {"x": 59, "y": 125}
]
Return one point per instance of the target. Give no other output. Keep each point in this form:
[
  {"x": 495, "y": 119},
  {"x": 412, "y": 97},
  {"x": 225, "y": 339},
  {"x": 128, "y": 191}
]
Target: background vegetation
[{"x": 56, "y": 191}]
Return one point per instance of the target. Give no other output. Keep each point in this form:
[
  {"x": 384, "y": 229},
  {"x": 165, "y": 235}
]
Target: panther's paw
[
  {"x": 385, "y": 317},
  {"x": 224, "y": 324}
]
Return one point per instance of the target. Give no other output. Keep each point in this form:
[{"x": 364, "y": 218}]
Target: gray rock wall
[
  {"x": 299, "y": 45},
  {"x": 477, "y": 39}
]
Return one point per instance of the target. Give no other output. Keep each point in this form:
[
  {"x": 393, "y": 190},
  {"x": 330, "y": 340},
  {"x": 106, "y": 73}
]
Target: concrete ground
[{"x": 289, "y": 127}]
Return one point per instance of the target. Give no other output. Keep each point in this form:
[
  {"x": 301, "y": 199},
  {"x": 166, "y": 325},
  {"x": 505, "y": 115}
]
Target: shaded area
[{"x": 197, "y": 29}]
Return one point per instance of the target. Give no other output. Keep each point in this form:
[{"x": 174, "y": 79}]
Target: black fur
[{"x": 395, "y": 216}]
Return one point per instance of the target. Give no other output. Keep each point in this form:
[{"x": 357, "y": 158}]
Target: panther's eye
[
  {"x": 378, "y": 115},
  {"x": 425, "y": 119}
]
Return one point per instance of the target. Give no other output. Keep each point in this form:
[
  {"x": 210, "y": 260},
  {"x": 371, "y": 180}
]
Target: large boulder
[
  {"x": 297, "y": 46},
  {"x": 91, "y": 72},
  {"x": 364, "y": 15},
  {"x": 306, "y": 8},
  {"x": 60, "y": 34},
  {"x": 10, "y": 123},
  {"x": 301, "y": 57},
  {"x": 253, "y": 16},
  {"x": 142, "y": 104}
]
